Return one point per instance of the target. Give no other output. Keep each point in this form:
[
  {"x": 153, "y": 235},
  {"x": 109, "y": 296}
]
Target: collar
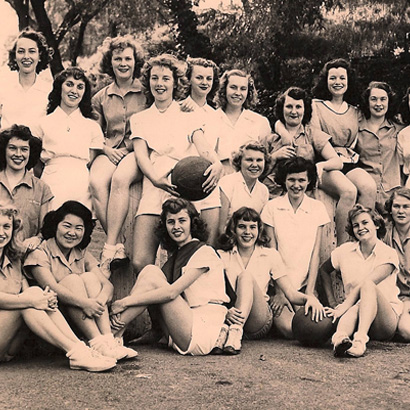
[
  {"x": 76, "y": 254},
  {"x": 26, "y": 180},
  {"x": 59, "y": 113},
  {"x": 363, "y": 124},
  {"x": 174, "y": 108},
  {"x": 113, "y": 89},
  {"x": 6, "y": 262},
  {"x": 284, "y": 204},
  {"x": 301, "y": 132},
  {"x": 396, "y": 237},
  {"x": 375, "y": 251}
]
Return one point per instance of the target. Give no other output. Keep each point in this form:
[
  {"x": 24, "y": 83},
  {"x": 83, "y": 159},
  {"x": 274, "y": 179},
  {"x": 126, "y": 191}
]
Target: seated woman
[
  {"x": 20, "y": 152},
  {"x": 243, "y": 188},
  {"x": 295, "y": 222},
  {"x": 63, "y": 263},
  {"x": 250, "y": 266},
  {"x": 398, "y": 237},
  {"x": 403, "y": 138},
  {"x": 190, "y": 288},
  {"x": 369, "y": 273},
  {"x": 71, "y": 138},
  {"x": 35, "y": 307}
]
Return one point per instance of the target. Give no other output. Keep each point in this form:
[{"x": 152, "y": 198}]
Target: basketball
[
  {"x": 188, "y": 176},
  {"x": 309, "y": 332}
]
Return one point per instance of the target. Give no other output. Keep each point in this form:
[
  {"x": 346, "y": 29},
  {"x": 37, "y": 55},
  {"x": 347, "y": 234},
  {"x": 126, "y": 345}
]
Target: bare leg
[
  {"x": 126, "y": 173},
  {"x": 404, "y": 322},
  {"x": 366, "y": 187},
  {"x": 211, "y": 217},
  {"x": 10, "y": 323},
  {"x": 284, "y": 323},
  {"x": 348, "y": 322}
]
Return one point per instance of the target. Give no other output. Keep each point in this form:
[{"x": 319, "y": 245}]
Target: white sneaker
[
  {"x": 106, "y": 345},
  {"x": 233, "y": 343},
  {"x": 120, "y": 251},
  {"x": 358, "y": 348},
  {"x": 83, "y": 358},
  {"x": 131, "y": 353}
]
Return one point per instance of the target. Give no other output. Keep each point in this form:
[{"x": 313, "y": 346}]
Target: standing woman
[
  {"x": 333, "y": 113},
  {"x": 377, "y": 139},
  {"x": 163, "y": 135},
  {"x": 71, "y": 138},
  {"x": 112, "y": 174},
  {"x": 23, "y": 97},
  {"x": 238, "y": 123}
]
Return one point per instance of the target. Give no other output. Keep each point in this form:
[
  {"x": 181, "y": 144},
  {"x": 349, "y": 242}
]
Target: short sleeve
[
  {"x": 226, "y": 186},
  {"x": 335, "y": 258},
  {"x": 319, "y": 139},
  {"x": 204, "y": 257},
  {"x": 47, "y": 194},
  {"x": 98, "y": 108},
  {"x": 39, "y": 258},
  {"x": 135, "y": 126},
  {"x": 390, "y": 257},
  {"x": 278, "y": 268},
  {"x": 265, "y": 129},
  {"x": 267, "y": 215},
  {"x": 97, "y": 136},
  {"x": 321, "y": 213}
]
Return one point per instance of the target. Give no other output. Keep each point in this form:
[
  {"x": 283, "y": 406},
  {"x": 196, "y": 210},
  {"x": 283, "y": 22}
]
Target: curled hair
[
  {"x": 376, "y": 218},
  {"x": 53, "y": 218},
  {"x": 204, "y": 63},
  {"x": 321, "y": 90},
  {"x": 14, "y": 249},
  {"x": 178, "y": 69},
  {"x": 173, "y": 206},
  {"x": 388, "y": 206},
  {"x": 364, "y": 104},
  {"x": 255, "y": 146},
  {"x": 294, "y": 166},
  {"x": 297, "y": 94},
  {"x": 252, "y": 97},
  {"x": 45, "y": 52},
  {"x": 54, "y": 98},
  {"x": 229, "y": 239},
  {"x": 120, "y": 43},
  {"x": 404, "y": 108},
  {"x": 23, "y": 133}
]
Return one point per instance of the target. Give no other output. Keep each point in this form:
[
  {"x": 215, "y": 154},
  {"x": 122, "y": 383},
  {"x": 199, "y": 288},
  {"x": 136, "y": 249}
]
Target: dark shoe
[{"x": 341, "y": 343}]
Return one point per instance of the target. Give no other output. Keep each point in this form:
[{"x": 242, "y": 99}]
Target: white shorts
[
  {"x": 152, "y": 199},
  {"x": 207, "y": 323}
]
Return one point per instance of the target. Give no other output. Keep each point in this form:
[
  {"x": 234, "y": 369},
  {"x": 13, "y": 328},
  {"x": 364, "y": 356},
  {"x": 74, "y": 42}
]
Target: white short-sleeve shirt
[
  {"x": 238, "y": 193},
  {"x": 264, "y": 264},
  {"x": 295, "y": 233},
  {"x": 210, "y": 286},
  {"x": 354, "y": 268}
]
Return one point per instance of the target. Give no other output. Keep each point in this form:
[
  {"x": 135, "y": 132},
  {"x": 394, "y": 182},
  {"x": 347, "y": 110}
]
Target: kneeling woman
[
  {"x": 190, "y": 288},
  {"x": 249, "y": 267},
  {"x": 63, "y": 263},
  {"x": 35, "y": 307},
  {"x": 369, "y": 273}
]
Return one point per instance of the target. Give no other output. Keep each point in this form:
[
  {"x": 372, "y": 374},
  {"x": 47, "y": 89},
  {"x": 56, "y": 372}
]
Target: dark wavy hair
[
  {"x": 203, "y": 62},
  {"x": 228, "y": 239},
  {"x": 297, "y": 94},
  {"x": 404, "y": 108},
  {"x": 173, "y": 206},
  {"x": 14, "y": 250},
  {"x": 20, "y": 132},
  {"x": 364, "y": 103},
  {"x": 252, "y": 97},
  {"x": 45, "y": 52},
  {"x": 402, "y": 191},
  {"x": 53, "y": 218},
  {"x": 294, "y": 166},
  {"x": 320, "y": 89},
  {"x": 255, "y": 146},
  {"x": 376, "y": 218},
  {"x": 178, "y": 69},
  {"x": 120, "y": 43},
  {"x": 54, "y": 98}
]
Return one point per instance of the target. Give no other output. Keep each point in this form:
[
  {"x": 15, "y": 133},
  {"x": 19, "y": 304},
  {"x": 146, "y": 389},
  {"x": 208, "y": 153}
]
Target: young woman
[
  {"x": 189, "y": 290},
  {"x": 243, "y": 187},
  {"x": 112, "y": 174},
  {"x": 19, "y": 152},
  {"x": 295, "y": 222},
  {"x": 250, "y": 266},
  {"x": 377, "y": 139},
  {"x": 369, "y": 273},
  {"x": 23, "y": 97},
  {"x": 63, "y": 263},
  {"x": 35, "y": 307},
  {"x": 398, "y": 237},
  {"x": 403, "y": 138},
  {"x": 71, "y": 138},
  {"x": 164, "y": 78},
  {"x": 335, "y": 113},
  {"x": 238, "y": 124}
]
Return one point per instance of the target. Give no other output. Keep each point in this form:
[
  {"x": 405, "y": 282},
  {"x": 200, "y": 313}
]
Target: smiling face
[
  {"x": 72, "y": 92},
  {"x": 17, "y": 154},
  {"x": 364, "y": 227},
  {"x": 337, "y": 81},
  {"x": 179, "y": 227},
  {"x": 236, "y": 91},
  {"x": 123, "y": 63},
  {"x": 27, "y": 55},
  {"x": 378, "y": 103},
  {"x": 6, "y": 231},
  {"x": 70, "y": 233},
  {"x": 296, "y": 185},
  {"x": 400, "y": 211},
  {"x": 293, "y": 111},
  {"x": 161, "y": 83},
  {"x": 252, "y": 164},
  {"x": 201, "y": 80},
  {"x": 246, "y": 234}
]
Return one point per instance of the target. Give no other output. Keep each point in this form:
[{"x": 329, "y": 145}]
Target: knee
[
  {"x": 284, "y": 327},
  {"x": 73, "y": 282},
  {"x": 403, "y": 328},
  {"x": 33, "y": 290},
  {"x": 120, "y": 181},
  {"x": 139, "y": 263},
  {"x": 349, "y": 194},
  {"x": 152, "y": 276}
]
